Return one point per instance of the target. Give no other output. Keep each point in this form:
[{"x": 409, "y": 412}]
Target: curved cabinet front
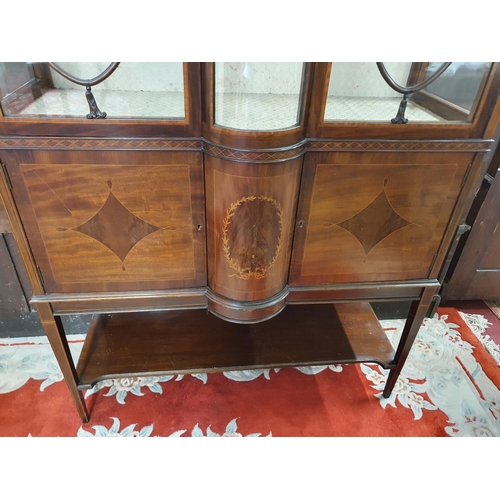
[{"x": 250, "y": 211}]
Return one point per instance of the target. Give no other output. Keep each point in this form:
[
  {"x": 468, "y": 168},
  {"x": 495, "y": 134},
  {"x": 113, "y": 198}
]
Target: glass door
[
  {"x": 258, "y": 96},
  {"x": 402, "y": 100},
  {"x": 132, "y": 91}
]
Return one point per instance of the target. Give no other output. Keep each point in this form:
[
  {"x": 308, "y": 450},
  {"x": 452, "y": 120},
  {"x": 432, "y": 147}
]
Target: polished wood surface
[
  {"x": 171, "y": 218},
  {"x": 80, "y": 127},
  {"x": 16, "y": 225},
  {"x": 151, "y": 300},
  {"x": 318, "y": 128},
  {"x": 196, "y": 341},
  {"x": 55, "y": 332},
  {"x": 113, "y": 221},
  {"x": 250, "y": 218},
  {"x": 417, "y": 313},
  {"x": 374, "y": 291},
  {"x": 373, "y": 216},
  {"x": 253, "y": 139}
]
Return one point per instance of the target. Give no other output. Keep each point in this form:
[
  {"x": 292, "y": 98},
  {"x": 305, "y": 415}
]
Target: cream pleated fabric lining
[{"x": 238, "y": 111}]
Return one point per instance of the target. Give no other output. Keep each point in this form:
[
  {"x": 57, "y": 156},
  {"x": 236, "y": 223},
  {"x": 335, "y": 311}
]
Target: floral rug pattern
[{"x": 441, "y": 374}]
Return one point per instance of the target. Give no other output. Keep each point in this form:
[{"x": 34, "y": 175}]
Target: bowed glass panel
[{"x": 258, "y": 96}]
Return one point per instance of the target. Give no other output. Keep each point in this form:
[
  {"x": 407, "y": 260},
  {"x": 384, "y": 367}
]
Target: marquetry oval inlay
[{"x": 252, "y": 236}]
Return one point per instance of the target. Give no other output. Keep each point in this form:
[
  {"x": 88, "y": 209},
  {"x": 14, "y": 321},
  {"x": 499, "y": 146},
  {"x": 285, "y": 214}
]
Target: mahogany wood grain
[
  {"x": 441, "y": 107},
  {"x": 434, "y": 103},
  {"x": 413, "y": 323},
  {"x": 243, "y": 315},
  {"x": 319, "y": 128},
  {"x": 84, "y": 303},
  {"x": 198, "y": 298},
  {"x": 99, "y": 205},
  {"x": 6, "y": 197},
  {"x": 250, "y": 219},
  {"x": 244, "y": 139},
  {"x": 112, "y": 221},
  {"x": 55, "y": 332},
  {"x": 247, "y": 311},
  {"x": 82, "y": 127},
  {"x": 196, "y": 341},
  {"x": 417, "y": 73},
  {"x": 358, "y": 291},
  {"x": 446, "y": 108},
  {"x": 479, "y": 167},
  {"x": 373, "y": 216}
]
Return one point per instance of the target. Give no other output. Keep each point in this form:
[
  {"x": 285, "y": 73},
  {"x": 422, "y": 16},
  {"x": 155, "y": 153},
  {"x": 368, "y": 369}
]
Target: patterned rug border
[
  {"x": 448, "y": 386},
  {"x": 478, "y": 324}
]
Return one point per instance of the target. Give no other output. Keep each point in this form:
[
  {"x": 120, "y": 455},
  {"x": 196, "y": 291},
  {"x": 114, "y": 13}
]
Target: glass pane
[
  {"x": 134, "y": 90},
  {"x": 357, "y": 92},
  {"x": 460, "y": 83},
  {"x": 258, "y": 96}
]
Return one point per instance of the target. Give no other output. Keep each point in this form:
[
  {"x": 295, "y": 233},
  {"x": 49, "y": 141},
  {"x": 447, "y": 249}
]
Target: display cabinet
[{"x": 225, "y": 216}]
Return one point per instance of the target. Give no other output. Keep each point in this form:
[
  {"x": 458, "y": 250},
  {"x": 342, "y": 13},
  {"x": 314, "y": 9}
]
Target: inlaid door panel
[
  {"x": 113, "y": 221},
  {"x": 373, "y": 216},
  {"x": 250, "y": 216}
]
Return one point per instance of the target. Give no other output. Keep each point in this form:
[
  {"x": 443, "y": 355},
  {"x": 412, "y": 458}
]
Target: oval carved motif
[{"x": 252, "y": 236}]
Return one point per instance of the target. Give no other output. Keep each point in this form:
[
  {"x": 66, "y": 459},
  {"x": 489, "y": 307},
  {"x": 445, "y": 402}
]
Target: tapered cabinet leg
[
  {"x": 55, "y": 332},
  {"x": 413, "y": 323}
]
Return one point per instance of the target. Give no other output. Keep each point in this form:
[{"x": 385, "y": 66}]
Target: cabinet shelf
[{"x": 173, "y": 342}]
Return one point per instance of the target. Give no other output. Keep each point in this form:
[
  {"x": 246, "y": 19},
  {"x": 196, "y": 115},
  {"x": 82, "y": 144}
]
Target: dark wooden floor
[{"x": 17, "y": 319}]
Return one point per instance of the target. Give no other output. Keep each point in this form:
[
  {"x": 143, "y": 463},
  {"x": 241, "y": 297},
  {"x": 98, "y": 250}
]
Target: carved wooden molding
[
  {"x": 78, "y": 144},
  {"x": 416, "y": 145},
  {"x": 256, "y": 156}
]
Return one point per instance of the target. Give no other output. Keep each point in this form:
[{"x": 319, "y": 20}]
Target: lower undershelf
[{"x": 193, "y": 341}]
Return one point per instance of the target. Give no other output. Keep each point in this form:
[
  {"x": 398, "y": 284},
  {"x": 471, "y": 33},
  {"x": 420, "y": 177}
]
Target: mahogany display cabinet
[{"x": 230, "y": 216}]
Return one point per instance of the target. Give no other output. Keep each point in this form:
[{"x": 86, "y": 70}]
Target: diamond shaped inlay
[
  {"x": 375, "y": 222},
  {"x": 116, "y": 227}
]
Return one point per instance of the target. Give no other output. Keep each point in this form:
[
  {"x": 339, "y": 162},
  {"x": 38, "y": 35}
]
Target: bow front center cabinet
[{"x": 229, "y": 216}]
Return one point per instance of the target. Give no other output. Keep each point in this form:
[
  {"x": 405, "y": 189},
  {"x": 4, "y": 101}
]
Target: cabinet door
[
  {"x": 112, "y": 220},
  {"x": 373, "y": 216}
]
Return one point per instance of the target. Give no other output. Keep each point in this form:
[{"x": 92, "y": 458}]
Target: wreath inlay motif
[{"x": 252, "y": 236}]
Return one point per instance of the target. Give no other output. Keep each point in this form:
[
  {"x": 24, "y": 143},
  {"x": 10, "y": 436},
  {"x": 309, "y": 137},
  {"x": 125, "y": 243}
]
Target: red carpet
[{"x": 449, "y": 387}]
